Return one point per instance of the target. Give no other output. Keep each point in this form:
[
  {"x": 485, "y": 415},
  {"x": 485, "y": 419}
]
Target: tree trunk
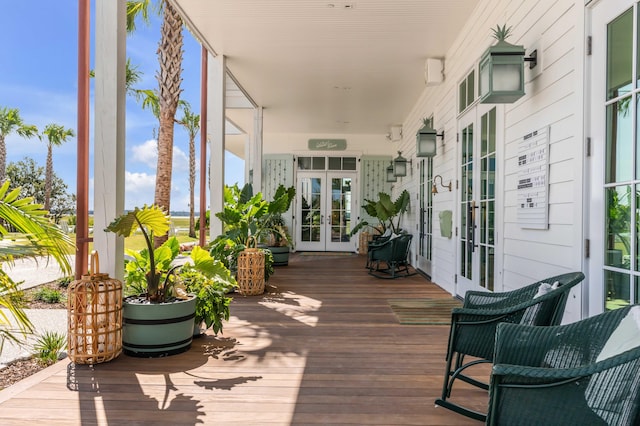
[
  {"x": 48, "y": 178},
  {"x": 3, "y": 160},
  {"x": 169, "y": 79}
]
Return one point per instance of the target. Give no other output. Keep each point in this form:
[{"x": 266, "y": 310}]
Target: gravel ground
[{"x": 16, "y": 361}]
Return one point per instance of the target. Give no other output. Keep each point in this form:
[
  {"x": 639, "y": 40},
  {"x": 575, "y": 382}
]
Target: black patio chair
[
  {"x": 473, "y": 327},
  {"x": 585, "y": 373},
  {"x": 390, "y": 259}
]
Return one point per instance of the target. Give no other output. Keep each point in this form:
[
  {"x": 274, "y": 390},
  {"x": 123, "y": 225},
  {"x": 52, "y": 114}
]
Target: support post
[
  {"x": 109, "y": 138},
  {"x": 216, "y": 137}
]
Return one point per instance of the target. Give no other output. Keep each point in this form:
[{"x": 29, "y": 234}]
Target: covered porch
[{"x": 321, "y": 346}]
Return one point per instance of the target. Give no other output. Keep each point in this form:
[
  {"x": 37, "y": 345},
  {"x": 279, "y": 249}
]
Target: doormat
[
  {"x": 325, "y": 253},
  {"x": 424, "y": 311}
]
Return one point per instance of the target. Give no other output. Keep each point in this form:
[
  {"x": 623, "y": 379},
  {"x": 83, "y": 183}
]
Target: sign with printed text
[
  {"x": 533, "y": 180},
  {"x": 327, "y": 144}
]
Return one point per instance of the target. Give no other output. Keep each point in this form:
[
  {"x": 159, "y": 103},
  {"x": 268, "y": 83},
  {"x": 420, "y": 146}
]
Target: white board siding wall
[{"x": 554, "y": 98}]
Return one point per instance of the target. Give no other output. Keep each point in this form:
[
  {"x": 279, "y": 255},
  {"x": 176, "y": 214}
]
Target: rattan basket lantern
[
  {"x": 250, "y": 276},
  {"x": 94, "y": 317}
]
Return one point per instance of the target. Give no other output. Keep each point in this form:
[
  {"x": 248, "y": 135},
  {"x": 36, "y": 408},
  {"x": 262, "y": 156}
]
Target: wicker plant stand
[
  {"x": 363, "y": 243},
  {"x": 94, "y": 317},
  {"x": 250, "y": 276}
]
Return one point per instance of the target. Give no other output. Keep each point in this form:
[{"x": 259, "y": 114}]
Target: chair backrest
[
  {"x": 551, "y": 306},
  {"x": 400, "y": 248}
]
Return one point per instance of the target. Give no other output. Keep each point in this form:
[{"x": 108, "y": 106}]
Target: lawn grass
[{"x": 180, "y": 225}]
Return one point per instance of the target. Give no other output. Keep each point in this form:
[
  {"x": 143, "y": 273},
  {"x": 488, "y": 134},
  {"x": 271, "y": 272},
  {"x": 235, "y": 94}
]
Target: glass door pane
[
  {"x": 340, "y": 208},
  {"x": 311, "y": 215},
  {"x": 622, "y": 168},
  {"x": 467, "y": 204},
  {"x": 487, "y": 199}
]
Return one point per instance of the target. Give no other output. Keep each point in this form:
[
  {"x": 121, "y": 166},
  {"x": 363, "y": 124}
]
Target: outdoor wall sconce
[
  {"x": 502, "y": 70},
  {"x": 434, "y": 188},
  {"x": 426, "y": 140},
  {"x": 400, "y": 165},
  {"x": 390, "y": 176}
]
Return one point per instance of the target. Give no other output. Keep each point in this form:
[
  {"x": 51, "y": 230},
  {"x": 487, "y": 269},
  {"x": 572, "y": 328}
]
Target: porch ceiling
[{"x": 326, "y": 66}]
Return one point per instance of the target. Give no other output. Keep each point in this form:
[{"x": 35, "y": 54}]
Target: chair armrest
[
  {"x": 559, "y": 346},
  {"x": 589, "y": 369},
  {"x": 374, "y": 247}
]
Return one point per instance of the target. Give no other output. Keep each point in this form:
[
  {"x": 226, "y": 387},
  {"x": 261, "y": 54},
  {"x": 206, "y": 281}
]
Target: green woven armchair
[
  {"x": 473, "y": 327},
  {"x": 568, "y": 375},
  {"x": 394, "y": 255}
]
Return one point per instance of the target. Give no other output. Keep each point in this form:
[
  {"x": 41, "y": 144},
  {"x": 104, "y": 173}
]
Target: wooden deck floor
[{"x": 322, "y": 347}]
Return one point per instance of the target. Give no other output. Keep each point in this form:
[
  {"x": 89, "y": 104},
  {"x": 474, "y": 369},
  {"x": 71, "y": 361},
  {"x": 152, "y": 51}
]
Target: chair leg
[{"x": 451, "y": 376}]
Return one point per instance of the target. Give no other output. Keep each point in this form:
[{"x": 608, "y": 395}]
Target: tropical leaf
[
  {"x": 153, "y": 218},
  {"x": 41, "y": 236}
]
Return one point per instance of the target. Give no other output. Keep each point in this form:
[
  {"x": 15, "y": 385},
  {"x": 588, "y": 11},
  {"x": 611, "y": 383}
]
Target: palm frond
[{"x": 42, "y": 237}]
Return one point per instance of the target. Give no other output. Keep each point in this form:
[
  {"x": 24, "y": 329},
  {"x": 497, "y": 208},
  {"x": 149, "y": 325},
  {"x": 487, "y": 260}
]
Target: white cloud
[
  {"x": 180, "y": 160},
  {"x": 139, "y": 189},
  {"x": 147, "y": 153}
]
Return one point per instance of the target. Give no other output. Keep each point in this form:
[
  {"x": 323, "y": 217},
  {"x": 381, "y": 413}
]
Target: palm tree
[
  {"x": 169, "y": 80},
  {"x": 132, "y": 76},
  {"x": 191, "y": 122},
  {"x": 56, "y": 136},
  {"x": 10, "y": 121},
  {"x": 41, "y": 238}
]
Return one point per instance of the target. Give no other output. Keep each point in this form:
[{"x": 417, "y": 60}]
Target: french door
[
  {"x": 614, "y": 265},
  {"x": 324, "y": 211},
  {"x": 477, "y": 202}
]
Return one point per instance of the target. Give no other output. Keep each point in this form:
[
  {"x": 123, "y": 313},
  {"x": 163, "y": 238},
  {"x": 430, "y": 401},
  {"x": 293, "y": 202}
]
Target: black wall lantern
[
  {"x": 400, "y": 165},
  {"x": 502, "y": 70},
  {"x": 426, "y": 140},
  {"x": 390, "y": 176}
]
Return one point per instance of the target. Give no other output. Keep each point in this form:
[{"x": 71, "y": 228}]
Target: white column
[
  {"x": 215, "y": 127},
  {"x": 256, "y": 154},
  {"x": 248, "y": 161},
  {"x": 109, "y": 137}
]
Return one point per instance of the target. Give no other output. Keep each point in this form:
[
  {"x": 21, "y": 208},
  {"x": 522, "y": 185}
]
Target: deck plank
[{"x": 321, "y": 347}]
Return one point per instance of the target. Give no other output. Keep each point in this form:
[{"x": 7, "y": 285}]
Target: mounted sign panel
[
  {"x": 327, "y": 144},
  {"x": 533, "y": 180}
]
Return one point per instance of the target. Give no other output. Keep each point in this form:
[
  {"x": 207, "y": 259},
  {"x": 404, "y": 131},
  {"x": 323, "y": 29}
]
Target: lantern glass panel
[
  {"x": 426, "y": 146},
  {"x": 484, "y": 78},
  {"x": 400, "y": 168},
  {"x": 390, "y": 176},
  {"x": 507, "y": 77}
]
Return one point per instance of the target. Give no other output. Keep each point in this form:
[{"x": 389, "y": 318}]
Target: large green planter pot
[
  {"x": 280, "y": 255},
  {"x": 156, "y": 330}
]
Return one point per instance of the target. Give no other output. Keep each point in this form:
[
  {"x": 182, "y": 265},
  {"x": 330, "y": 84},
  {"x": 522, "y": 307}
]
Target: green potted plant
[
  {"x": 211, "y": 282},
  {"x": 387, "y": 211},
  {"x": 159, "y": 317},
  {"x": 278, "y": 241},
  {"x": 273, "y": 227},
  {"x": 241, "y": 216}
]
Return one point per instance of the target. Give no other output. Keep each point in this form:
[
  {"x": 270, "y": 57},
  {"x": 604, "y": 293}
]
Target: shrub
[
  {"x": 49, "y": 295},
  {"x": 48, "y": 347}
]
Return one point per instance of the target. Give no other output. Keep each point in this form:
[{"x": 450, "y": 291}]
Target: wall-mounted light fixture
[
  {"x": 426, "y": 140},
  {"x": 400, "y": 165},
  {"x": 395, "y": 133},
  {"x": 502, "y": 70},
  {"x": 390, "y": 176},
  {"x": 434, "y": 188}
]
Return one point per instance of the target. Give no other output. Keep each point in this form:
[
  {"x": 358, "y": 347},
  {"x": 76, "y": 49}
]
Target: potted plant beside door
[{"x": 273, "y": 227}]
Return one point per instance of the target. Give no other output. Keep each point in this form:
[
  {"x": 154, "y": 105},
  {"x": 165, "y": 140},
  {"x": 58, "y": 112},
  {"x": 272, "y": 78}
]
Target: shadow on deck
[{"x": 321, "y": 346}]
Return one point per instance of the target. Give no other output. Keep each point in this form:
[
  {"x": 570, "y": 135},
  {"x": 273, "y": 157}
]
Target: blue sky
[{"x": 38, "y": 75}]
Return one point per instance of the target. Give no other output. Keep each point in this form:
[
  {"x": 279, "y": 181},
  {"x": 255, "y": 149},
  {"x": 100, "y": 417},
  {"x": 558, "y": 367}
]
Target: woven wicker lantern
[
  {"x": 250, "y": 276},
  {"x": 94, "y": 317}
]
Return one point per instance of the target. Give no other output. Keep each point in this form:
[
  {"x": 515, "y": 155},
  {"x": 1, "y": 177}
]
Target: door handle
[
  {"x": 321, "y": 219},
  {"x": 471, "y": 226}
]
